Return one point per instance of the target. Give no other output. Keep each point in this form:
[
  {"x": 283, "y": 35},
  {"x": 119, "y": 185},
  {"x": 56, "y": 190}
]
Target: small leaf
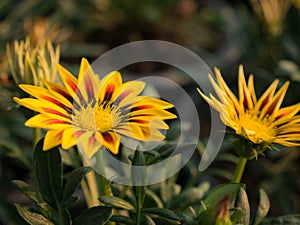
[
  {"x": 116, "y": 202},
  {"x": 189, "y": 197},
  {"x": 243, "y": 203},
  {"x": 148, "y": 221},
  {"x": 121, "y": 219},
  {"x": 162, "y": 212},
  {"x": 32, "y": 218},
  {"x": 218, "y": 194},
  {"x": 97, "y": 215},
  {"x": 159, "y": 220},
  {"x": 151, "y": 195},
  {"x": 48, "y": 170},
  {"x": 71, "y": 200},
  {"x": 263, "y": 208},
  {"x": 27, "y": 190},
  {"x": 74, "y": 181}
]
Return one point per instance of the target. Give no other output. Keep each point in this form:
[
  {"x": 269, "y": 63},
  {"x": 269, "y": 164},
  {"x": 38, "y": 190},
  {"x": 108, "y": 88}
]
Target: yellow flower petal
[
  {"x": 68, "y": 138},
  {"x": 110, "y": 140},
  {"x": 244, "y": 94},
  {"x": 108, "y": 85},
  {"x": 89, "y": 143},
  {"x": 70, "y": 82},
  {"x": 42, "y": 121},
  {"x": 52, "y": 139},
  {"x": 127, "y": 93}
]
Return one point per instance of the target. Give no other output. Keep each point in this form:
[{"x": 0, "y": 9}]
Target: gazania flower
[
  {"x": 94, "y": 112},
  {"x": 261, "y": 121}
]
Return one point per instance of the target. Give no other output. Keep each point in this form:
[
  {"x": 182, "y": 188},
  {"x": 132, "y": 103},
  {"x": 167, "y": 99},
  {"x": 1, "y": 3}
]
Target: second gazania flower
[{"x": 258, "y": 122}]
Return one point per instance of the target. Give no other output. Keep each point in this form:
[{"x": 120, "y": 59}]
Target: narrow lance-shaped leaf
[
  {"x": 32, "y": 218},
  {"x": 218, "y": 194},
  {"x": 27, "y": 190},
  {"x": 116, "y": 202},
  {"x": 74, "y": 181},
  {"x": 263, "y": 208},
  {"x": 161, "y": 212},
  {"x": 48, "y": 171},
  {"x": 189, "y": 197},
  {"x": 98, "y": 215},
  {"x": 243, "y": 203}
]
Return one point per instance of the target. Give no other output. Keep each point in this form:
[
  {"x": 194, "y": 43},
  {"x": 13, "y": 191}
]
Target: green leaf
[
  {"x": 154, "y": 197},
  {"x": 161, "y": 212},
  {"x": 242, "y": 202},
  {"x": 148, "y": 220},
  {"x": 121, "y": 219},
  {"x": 283, "y": 220},
  {"x": 32, "y": 218},
  {"x": 74, "y": 181},
  {"x": 48, "y": 170},
  {"x": 159, "y": 220},
  {"x": 94, "y": 216},
  {"x": 116, "y": 202},
  {"x": 27, "y": 190},
  {"x": 263, "y": 208},
  {"x": 71, "y": 200},
  {"x": 189, "y": 197},
  {"x": 218, "y": 194}
]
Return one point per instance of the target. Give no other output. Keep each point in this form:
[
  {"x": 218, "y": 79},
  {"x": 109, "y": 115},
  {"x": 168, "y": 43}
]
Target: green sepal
[{"x": 247, "y": 149}]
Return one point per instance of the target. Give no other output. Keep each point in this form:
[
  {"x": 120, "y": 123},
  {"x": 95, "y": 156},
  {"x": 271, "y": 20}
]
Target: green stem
[
  {"x": 90, "y": 188},
  {"x": 138, "y": 215},
  {"x": 104, "y": 184},
  {"x": 140, "y": 193},
  {"x": 239, "y": 170},
  {"x": 61, "y": 217}
]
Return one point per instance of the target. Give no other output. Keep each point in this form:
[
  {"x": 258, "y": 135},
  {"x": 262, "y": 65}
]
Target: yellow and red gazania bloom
[
  {"x": 93, "y": 112},
  {"x": 261, "y": 120}
]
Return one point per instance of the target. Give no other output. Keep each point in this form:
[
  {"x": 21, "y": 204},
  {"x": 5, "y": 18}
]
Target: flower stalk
[
  {"x": 103, "y": 184},
  {"x": 239, "y": 170}
]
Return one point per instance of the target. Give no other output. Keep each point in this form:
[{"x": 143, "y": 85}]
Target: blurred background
[{"x": 263, "y": 35}]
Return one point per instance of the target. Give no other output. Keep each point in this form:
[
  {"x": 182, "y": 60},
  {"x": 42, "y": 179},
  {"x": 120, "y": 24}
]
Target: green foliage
[
  {"x": 32, "y": 218},
  {"x": 116, "y": 202},
  {"x": 98, "y": 215},
  {"x": 51, "y": 196}
]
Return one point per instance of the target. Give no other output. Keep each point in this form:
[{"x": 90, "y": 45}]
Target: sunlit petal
[
  {"x": 111, "y": 141},
  {"x": 53, "y": 138}
]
